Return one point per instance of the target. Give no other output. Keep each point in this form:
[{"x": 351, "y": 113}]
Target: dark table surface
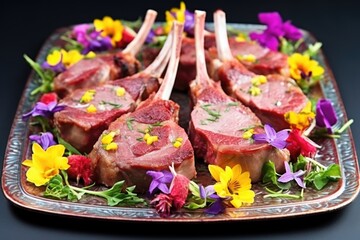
[{"x": 25, "y": 27}]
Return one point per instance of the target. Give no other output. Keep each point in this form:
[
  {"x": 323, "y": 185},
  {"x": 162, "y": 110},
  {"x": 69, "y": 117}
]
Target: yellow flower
[
  {"x": 241, "y": 37},
  {"x": 108, "y": 138},
  {"x": 247, "y": 58},
  {"x": 91, "y": 109},
  {"x": 232, "y": 184},
  {"x": 71, "y": 57},
  {"x": 258, "y": 80},
  {"x": 248, "y": 134},
  {"x": 110, "y": 28},
  {"x": 45, "y": 164},
  {"x": 302, "y": 119},
  {"x": 120, "y": 91},
  {"x": 179, "y": 16},
  {"x": 178, "y": 142},
  {"x": 255, "y": 91},
  {"x": 302, "y": 64},
  {"x": 54, "y": 58},
  {"x": 88, "y": 96},
  {"x": 150, "y": 139}
]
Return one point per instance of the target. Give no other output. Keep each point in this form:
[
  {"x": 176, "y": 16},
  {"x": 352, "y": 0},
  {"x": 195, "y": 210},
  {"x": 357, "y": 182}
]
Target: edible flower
[
  {"x": 289, "y": 176},
  {"x": 160, "y": 180},
  {"x": 107, "y": 141},
  {"x": 91, "y": 40},
  {"x": 80, "y": 168},
  {"x": 178, "y": 142},
  {"x": 175, "y": 199},
  {"x": 302, "y": 119},
  {"x": 275, "y": 139},
  {"x": 181, "y": 15},
  {"x": 325, "y": 115},
  {"x": 45, "y": 139},
  {"x": 232, "y": 184},
  {"x": 44, "y": 110},
  {"x": 45, "y": 164},
  {"x": 88, "y": 96},
  {"x": 248, "y": 133},
  {"x": 110, "y": 28},
  {"x": 54, "y": 62},
  {"x": 276, "y": 29},
  {"x": 298, "y": 144},
  {"x": 48, "y": 97},
  {"x": 302, "y": 67}
]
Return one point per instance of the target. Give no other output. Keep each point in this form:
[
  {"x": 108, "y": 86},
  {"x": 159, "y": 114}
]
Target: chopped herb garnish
[
  {"x": 115, "y": 105},
  {"x": 129, "y": 122}
]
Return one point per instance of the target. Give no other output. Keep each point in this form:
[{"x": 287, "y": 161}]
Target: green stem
[
  {"x": 315, "y": 162},
  {"x": 345, "y": 126}
]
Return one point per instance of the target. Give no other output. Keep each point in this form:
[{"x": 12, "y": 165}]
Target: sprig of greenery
[
  {"x": 46, "y": 77},
  {"x": 60, "y": 188}
]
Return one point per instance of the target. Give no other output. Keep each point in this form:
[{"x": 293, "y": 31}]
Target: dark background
[{"x": 25, "y": 27}]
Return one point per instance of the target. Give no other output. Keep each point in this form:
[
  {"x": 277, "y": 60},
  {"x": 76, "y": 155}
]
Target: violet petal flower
[
  {"x": 289, "y": 176},
  {"x": 291, "y": 32},
  {"x": 160, "y": 179},
  {"x": 45, "y": 139},
  {"x": 189, "y": 22},
  {"x": 42, "y": 109},
  {"x": 216, "y": 207},
  {"x": 275, "y": 139},
  {"x": 275, "y": 30},
  {"x": 325, "y": 114},
  {"x": 206, "y": 191},
  {"x": 58, "y": 68},
  {"x": 150, "y": 37}
]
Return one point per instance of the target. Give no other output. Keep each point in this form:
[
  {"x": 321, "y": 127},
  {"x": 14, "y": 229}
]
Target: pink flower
[{"x": 80, "y": 167}]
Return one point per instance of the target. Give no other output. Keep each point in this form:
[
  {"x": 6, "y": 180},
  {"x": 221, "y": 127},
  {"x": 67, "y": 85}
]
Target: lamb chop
[
  {"x": 148, "y": 138},
  {"x": 104, "y": 67},
  {"x": 269, "y": 97},
  {"x": 218, "y": 122},
  {"x": 89, "y": 111}
]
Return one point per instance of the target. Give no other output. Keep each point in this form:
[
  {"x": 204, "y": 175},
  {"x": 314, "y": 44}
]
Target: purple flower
[
  {"x": 90, "y": 39},
  {"x": 275, "y": 139},
  {"x": 325, "y": 114},
  {"x": 216, "y": 207},
  {"x": 275, "y": 30},
  {"x": 207, "y": 191},
  {"x": 45, "y": 139},
  {"x": 160, "y": 179},
  {"x": 44, "y": 110},
  {"x": 150, "y": 37},
  {"x": 58, "y": 68},
  {"x": 289, "y": 176},
  {"x": 189, "y": 22}
]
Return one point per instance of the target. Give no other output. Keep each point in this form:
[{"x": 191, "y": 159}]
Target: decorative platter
[{"x": 338, "y": 194}]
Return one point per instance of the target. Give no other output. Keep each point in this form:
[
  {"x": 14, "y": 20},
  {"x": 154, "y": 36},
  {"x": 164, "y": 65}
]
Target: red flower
[
  {"x": 163, "y": 204},
  {"x": 179, "y": 190},
  {"x": 80, "y": 167},
  {"x": 48, "y": 98},
  {"x": 299, "y": 144}
]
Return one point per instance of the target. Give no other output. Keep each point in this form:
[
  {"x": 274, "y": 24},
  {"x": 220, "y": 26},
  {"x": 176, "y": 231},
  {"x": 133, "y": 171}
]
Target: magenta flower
[
  {"x": 160, "y": 181},
  {"x": 275, "y": 30},
  {"x": 189, "y": 22},
  {"x": 325, "y": 115},
  {"x": 289, "y": 176},
  {"x": 45, "y": 139},
  {"x": 275, "y": 139},
  {"x": 44, "y": 110},
  {"x": 90, "y": 39}
]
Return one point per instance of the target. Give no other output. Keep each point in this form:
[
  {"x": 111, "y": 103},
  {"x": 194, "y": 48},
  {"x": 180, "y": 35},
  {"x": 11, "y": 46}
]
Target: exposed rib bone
[
  {"x": 202, "y": 77},
  {"x": 157, "y": 67},
  {"x": 222, "y": 42},
  {"x": 166, "y": 87},
  {"x": 134, "y": 46}
]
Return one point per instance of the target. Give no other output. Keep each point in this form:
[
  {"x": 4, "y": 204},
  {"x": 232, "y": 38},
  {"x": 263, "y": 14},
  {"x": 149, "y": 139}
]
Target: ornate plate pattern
[{"x": 336, "y": 195}]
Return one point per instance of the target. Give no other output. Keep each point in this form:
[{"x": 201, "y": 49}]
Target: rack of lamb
[{"x": 148, "y": 138}]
